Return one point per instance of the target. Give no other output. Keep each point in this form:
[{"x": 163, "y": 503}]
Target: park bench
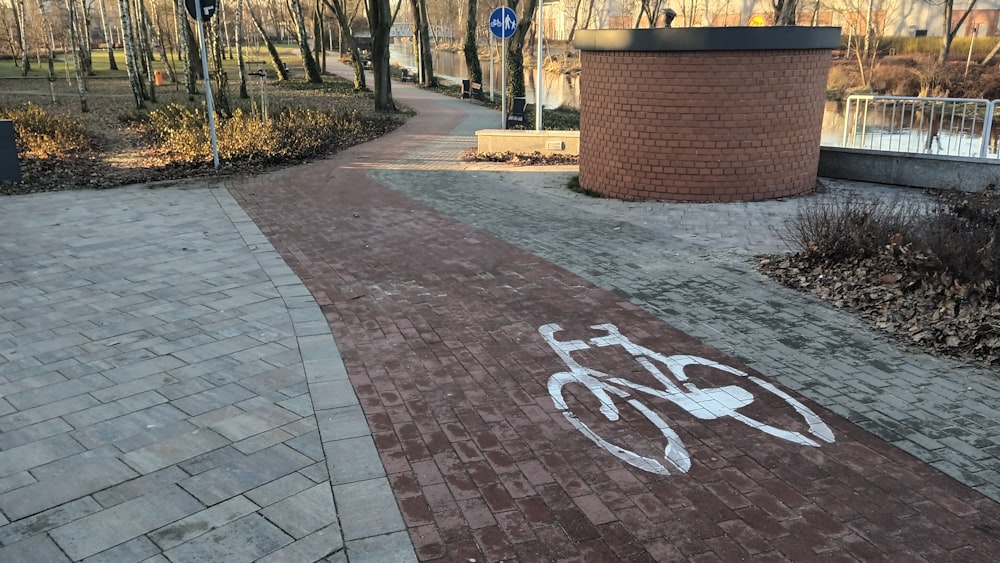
[
  {"x": 406, "y": 76},
  {"x": 472, "y": 90},
  {"x": 516, "y": 114}
]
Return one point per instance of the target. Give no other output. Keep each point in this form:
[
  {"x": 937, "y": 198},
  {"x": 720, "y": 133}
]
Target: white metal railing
[{"x": 946, "y": 126}]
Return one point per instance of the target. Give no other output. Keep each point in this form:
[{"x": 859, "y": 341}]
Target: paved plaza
[{"x": 394, "y": 355}]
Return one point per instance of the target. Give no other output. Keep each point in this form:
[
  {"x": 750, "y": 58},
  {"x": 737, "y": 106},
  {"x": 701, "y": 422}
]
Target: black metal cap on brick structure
[{"x": 708, "y": 39}]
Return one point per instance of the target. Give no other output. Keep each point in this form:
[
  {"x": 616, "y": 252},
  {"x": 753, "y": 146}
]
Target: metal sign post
[
  {"x": 541, "y": 77},
  {"x": 503, "y": 22},
  {"x": 202, "y": 11}
]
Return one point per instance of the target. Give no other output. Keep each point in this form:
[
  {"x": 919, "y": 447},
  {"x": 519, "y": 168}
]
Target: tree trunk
[
  {"x": 318, "y": 35},
  {"x": 128, "y": 41},
  {"x": 347, "y": 35},
  {"x": 71, "y": 14},
  {"x": 949, "y": 32},
  {"x": 158, "y": 35},
  {"x": 471, "y": 47},
  {"x": 786, "y": 16},
  {"x": 240, "y": 64},
  {"x": 107, "y": 35},
  {"x": 421, "y": 35},
  {"x": 147, "y": 50},
  {"x": 279, "y": 67},
  {"x": 85, "y": 51},
  {"x": 49, "y": 43},
  {"x": 576, "y": 18},
  {"x": 221, "y": 93},
  {"x": 989, "y": 56},
  {"x": 184, "y": 46},
  {"x": 23, "y": 32},
  {"x": 312, "y": 71},
  {"x": 380, "y": 24},
  {"x": 515, "y": 49}
]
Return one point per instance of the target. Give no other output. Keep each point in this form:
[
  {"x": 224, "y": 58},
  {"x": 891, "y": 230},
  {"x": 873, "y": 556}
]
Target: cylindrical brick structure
[{"x": 702, "y": 114}]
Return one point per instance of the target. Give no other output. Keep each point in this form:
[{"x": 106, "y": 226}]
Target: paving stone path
[
  {"x": 439, "y": 323},
  {"x": 373, "y": 379},
  {"x": 164, "y": 382}
]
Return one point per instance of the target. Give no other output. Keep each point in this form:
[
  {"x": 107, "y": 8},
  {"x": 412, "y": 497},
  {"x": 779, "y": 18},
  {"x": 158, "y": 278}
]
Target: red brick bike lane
[{"x": 496, "y": 427}]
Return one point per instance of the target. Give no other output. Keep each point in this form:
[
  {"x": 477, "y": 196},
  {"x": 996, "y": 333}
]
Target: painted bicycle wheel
[{"x": 675, "y": 458}]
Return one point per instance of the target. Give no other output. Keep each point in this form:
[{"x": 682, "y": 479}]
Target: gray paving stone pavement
[
  {"x": 170, "y": 391},
  {"x": 161, "y": 369},
  {"x": 693, "y": 265}
]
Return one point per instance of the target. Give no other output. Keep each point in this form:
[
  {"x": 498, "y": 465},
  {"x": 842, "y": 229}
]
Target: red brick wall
[{"x": 701, "y": 125}]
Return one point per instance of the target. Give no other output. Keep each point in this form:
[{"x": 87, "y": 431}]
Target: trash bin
[
  {"x": 158, "y": 75},
  {"x": 10, "y": 168}
]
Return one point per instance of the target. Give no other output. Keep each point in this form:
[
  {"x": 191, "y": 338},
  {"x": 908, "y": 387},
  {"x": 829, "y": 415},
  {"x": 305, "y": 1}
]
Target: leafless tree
[
  {"x": 22, "y": 29},
  {"x": 131, "y": 54},
  {"x": 515, "y": 47},
  {"x": 276, "y": 62},
  {"x": 785, "y": 12},
  {"x": 47, "y": 40},
  {"x": 312, "y": 70},
  {"x": 86, "y": 54},
  {"x": 950, "y": 31},
  {"x": 380, "y": 24},
  {"x": 240, "y": 63},
  {"x": 347, "y": 34},
  {"x": 422, "y": 42},
  {"x": 470, "y": 47},
  {"x": 74, "y": 40},
  {"x": 107, "y": 34}
]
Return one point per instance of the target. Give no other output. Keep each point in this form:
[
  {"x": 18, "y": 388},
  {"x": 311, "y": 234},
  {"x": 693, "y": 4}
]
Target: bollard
[{"x": 10, "y": 168}]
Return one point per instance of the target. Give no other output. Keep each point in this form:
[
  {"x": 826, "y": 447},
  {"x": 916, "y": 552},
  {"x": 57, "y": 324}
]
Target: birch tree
[
  {"x": 161, "y": 41},
  {"x": 22, "y": 29},
  {"x": 128, "y": 41},
  {"x": 86, "y": 53},
  {"x": 102, "y": 9},
  {"x": 81, "y": 88},
  {"x": 347, "y": 34},
  {"x": 312, "y": 71}
]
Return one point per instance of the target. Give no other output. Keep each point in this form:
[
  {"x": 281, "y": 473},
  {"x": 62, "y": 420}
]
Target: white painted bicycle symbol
[{"x": 704, "y": 404}]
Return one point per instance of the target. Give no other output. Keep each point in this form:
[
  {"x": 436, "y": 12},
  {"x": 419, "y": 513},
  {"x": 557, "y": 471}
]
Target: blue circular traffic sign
[{"x": 503, "y": 22}]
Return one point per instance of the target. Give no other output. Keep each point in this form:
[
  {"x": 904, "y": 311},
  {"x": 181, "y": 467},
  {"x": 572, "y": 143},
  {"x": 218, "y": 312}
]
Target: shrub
[
  {"x": 847, "y": 227},
  {"x": 288, "y": 134},
  {"x": 40, "y": 135},
  {"x": 958, "y": 237}
]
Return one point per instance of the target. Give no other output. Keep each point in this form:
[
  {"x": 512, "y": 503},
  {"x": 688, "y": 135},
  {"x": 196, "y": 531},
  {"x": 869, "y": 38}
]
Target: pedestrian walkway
[
  {"x": 443, "y": 283},
  {"x": 358, "y": 360}
]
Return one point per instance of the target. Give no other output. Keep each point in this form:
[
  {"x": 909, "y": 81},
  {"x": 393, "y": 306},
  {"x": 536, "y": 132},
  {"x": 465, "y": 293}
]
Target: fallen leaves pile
[
  {"x": 520, "y": 159},
  {"x": 896, "y": 293}
]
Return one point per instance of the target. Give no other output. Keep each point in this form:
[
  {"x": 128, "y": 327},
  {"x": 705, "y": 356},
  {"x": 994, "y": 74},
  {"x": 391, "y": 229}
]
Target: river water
[{"x": 560, "y": 89}]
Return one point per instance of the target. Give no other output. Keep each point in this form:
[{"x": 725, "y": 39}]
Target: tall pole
[
  {"x": 491, "y": 67},
  {"x": 972, "y": 41},
  {"x": 503, "y": 83},
  {"x": 539, "y": 84},
  {"x": 208, "y": 85}
]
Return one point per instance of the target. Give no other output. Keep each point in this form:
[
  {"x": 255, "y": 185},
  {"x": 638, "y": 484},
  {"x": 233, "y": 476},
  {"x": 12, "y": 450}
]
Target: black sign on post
[{"x": 207, "y": 9}]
